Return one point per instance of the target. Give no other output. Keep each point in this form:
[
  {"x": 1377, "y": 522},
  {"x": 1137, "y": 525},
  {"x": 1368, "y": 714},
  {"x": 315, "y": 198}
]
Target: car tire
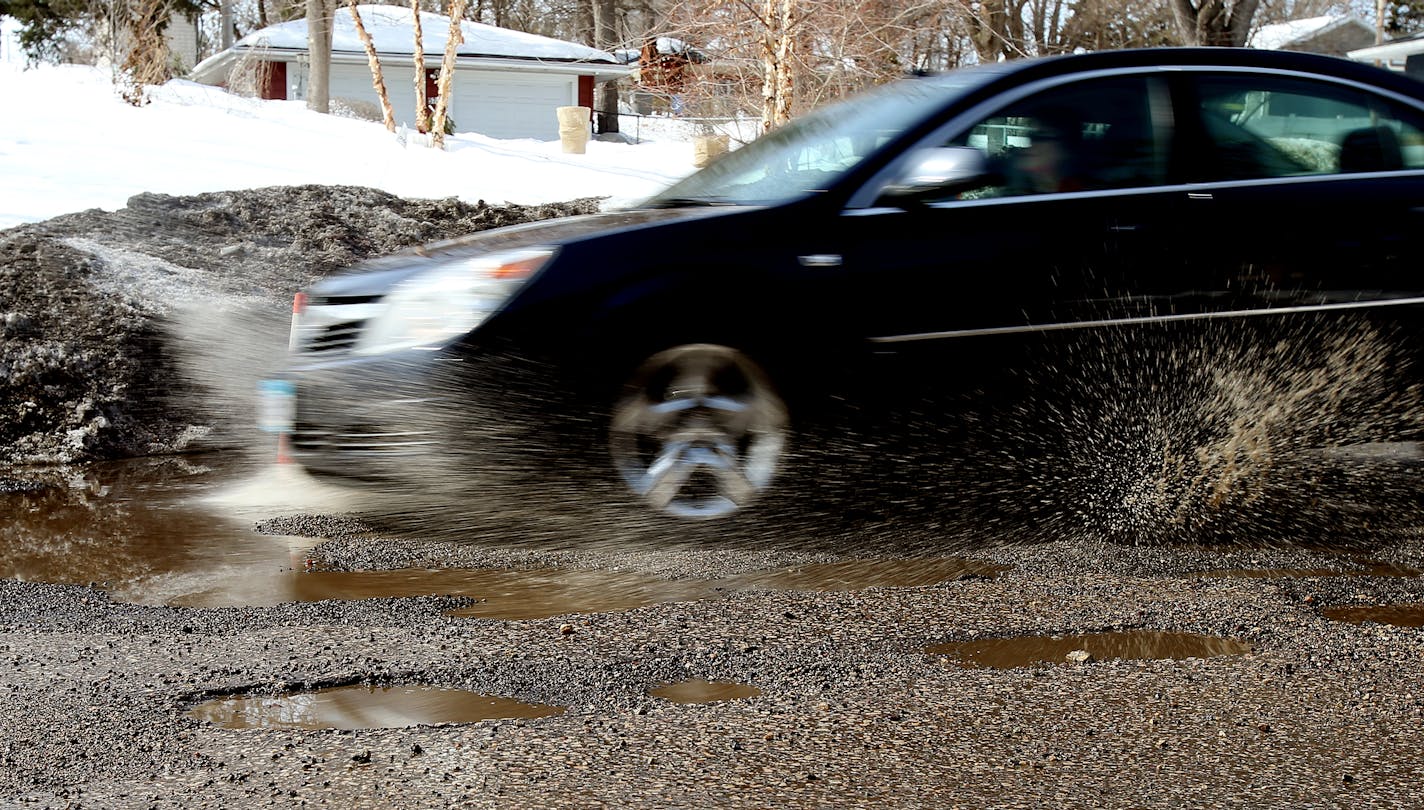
[{"x": 698, "y": 432}]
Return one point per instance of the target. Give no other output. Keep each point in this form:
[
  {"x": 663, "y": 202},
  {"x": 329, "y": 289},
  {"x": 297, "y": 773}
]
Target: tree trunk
[
  {"x": 447, "y": 72},
  {"x": 768, "y": 66},
  {"x": 319, "y": 55},
  {"x": 785, "y": 64},
  {"x": 778, "y": 79},
  {"x": 378, "y": 81},
  {"x": 225, "y": 20},
  {"x": 422, "y": 105},
  {"x": 605, "y": 37},
  {"x": 1212, "y": 23}
]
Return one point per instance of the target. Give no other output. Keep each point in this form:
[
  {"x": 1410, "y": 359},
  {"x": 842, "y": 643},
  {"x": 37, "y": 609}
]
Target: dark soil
[{"x": 108, "y": 319}]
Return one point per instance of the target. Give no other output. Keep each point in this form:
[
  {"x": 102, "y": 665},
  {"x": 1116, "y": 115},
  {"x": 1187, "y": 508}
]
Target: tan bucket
[{"x": 574, "y": 125}]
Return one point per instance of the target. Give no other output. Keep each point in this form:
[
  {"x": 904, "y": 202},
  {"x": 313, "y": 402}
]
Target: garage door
[{"x": 505, "y": 106}]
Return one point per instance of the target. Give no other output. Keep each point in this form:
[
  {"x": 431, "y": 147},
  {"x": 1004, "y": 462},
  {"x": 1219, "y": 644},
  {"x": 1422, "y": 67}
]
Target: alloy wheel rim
[{"x": 699, "y": 432}]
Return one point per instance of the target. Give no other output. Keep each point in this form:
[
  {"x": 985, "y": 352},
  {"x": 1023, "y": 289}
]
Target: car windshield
[{"x": 811, "y": 153}]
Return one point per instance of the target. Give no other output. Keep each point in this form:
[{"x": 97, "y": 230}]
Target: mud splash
[{"x": 1271, "y": 433}]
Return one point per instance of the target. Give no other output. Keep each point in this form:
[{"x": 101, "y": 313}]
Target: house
[
  {"x": 1405, "y": 53},
  {"x": 1332, "y": 34},
  {"x": 507, "y": 84}
]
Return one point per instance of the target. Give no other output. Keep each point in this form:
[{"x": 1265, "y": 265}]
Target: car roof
[{"x": 1023, "y": 70}]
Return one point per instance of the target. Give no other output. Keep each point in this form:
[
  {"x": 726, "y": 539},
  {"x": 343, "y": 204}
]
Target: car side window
[
  {"x": 1095, "y": 134},
  {"x": 1273, "y": 126}
]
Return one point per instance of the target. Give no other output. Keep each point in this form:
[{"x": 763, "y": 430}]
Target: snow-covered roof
[
  {"x": 1396, "y": 50},
  {"x": 664, "y": 46},
  {"x": 1279, "y": 35},
  {"x": 392, "y": 30}
]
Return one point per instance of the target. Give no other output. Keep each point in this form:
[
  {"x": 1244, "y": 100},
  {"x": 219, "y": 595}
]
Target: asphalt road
[{"x": 853, "y": 710}]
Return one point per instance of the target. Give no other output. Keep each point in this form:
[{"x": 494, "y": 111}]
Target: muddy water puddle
[
  {"x": 1025, "y": 651},
  {"x": 1411, "y": 615},
  {"x": 178, "y": 531},
  {"x": 698, "y": 690},
  {"x": 137, "y": 529},
  {"x": 365, "y": 707},
  {"x": 1368, "y": 568}
]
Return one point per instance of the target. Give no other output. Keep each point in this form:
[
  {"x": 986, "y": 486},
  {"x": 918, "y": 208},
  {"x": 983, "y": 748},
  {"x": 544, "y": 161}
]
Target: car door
[
  {"x": 1073, "y": 229},
  {"x": 1307, "y": 194}
]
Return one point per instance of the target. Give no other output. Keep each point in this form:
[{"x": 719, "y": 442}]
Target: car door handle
[
  {"x": 1124, "y": 228},
  {"x": 820, "y": 260}
]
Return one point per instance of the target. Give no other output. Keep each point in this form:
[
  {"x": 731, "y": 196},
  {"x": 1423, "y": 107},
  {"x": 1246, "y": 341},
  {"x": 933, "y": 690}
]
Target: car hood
[{"x": 376, "y": 276}]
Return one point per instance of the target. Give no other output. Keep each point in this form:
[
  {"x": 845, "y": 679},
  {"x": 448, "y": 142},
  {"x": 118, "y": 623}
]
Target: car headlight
[{"x": 444, "y": 303}]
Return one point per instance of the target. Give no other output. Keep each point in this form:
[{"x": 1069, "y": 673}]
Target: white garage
[
  {"x": 507, "y": 106},
  {"x": 507, "y": 84}
]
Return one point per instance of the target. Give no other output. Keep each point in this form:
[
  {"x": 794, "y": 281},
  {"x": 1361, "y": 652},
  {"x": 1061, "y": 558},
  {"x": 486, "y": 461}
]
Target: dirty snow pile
[{"x": 223, "y": 206}]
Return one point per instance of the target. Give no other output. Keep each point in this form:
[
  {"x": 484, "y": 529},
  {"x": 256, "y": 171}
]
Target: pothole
[
  {"x": 147, "y": 532},
  {"x": 536, "y": 594},
  {"x": 1410, "y": 615},
  {"x": 698, "y": 690},
  {"x": 1024, "y": 651},
  {"x": 1369, "y": 568},
  {"x": 855, "y": 575},
  {"x": 351, "y": 708}
]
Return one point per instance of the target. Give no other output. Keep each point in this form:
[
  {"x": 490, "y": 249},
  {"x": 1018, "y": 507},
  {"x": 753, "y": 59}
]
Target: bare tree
[
  {"x": 447, "y": 72},
  {"x": 782, "y": 56},
  {"x": 319, "y": 14},
  {"x": 1214, "y": 22},
  {"x": 378, "y": 81},
  {"x": 147, "y": 60},
  {"x": 606, "y": 36},
  {"x": 422, "y": 105}
]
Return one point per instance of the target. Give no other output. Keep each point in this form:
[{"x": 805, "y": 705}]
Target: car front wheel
[{"x": 699, "y": 431}]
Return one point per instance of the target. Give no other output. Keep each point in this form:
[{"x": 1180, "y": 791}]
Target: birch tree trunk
[
  {"x": 785, "y": 64},
  {"x": 447, "y": 72},
  {"x": 319, "y": 55},
  {"x": 778, "y": 81},
  {"x": 422, "y": 106},
  {"x": 768, "y": 66},
  {"x": 378, "y": 81}
]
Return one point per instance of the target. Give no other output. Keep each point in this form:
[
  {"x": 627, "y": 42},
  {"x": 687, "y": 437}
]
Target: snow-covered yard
[{"x": 68, "y": 143}]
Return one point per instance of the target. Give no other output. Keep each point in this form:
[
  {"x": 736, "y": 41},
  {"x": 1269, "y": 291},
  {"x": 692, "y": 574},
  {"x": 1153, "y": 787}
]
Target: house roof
[
  {"x": 392, "y": 30},
  {"x": 1280, "y": 35},
  {"x": 1394, "y": 50}
]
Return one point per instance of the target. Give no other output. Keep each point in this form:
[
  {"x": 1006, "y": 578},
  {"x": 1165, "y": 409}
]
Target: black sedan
[{"x": 876, "y": 262}]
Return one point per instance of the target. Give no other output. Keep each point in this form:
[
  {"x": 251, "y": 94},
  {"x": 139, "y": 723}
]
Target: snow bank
[{"x": 68, "y": 143}]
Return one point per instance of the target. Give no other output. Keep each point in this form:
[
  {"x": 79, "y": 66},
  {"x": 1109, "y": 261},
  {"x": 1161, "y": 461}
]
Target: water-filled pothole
[
  {"x": 855, "y": 575},
  {"x": 698, "y": 690},
  {"x": 1369, "y": 568},
  {"x": 1408, "y": 615},
  {"x": 147, "y": 532},
  {"x": 363, "y": 707},
  {"x": 1023, "y": 651}
]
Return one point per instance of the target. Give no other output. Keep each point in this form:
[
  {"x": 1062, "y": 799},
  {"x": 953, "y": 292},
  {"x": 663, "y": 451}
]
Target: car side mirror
[{"x": 938, "y": 171}]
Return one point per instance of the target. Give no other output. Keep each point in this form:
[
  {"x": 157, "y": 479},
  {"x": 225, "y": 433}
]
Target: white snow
[
  {"x": 1278, "y": 35},
  {"x": 10, "y": 52},
  {"x": 392, "y": 31},
  {"x": 68, "y": 142}
]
